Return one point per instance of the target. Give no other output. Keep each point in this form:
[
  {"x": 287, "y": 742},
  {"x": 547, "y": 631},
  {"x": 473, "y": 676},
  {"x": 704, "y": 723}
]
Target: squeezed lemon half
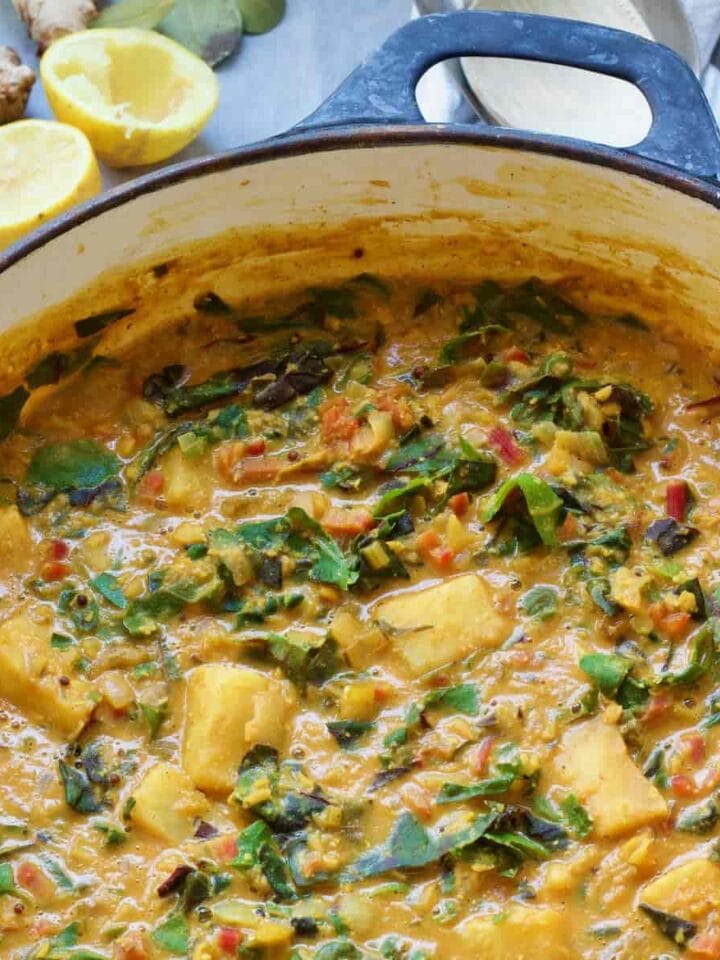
[
  {"x": 45, "y": 168},
  {"x": 138, "y": 96}
]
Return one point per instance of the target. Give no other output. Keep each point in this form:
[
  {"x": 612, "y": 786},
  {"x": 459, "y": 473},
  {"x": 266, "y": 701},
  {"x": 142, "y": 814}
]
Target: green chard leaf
[
  {"x": 304, "y": 658},
  {"x": 576, "y": 816},
  {"x": 109, "y": 587},
  {"x": 89, "y": 326},
  {"x": 10, "y": 408},
  {"x": 606, "y": 670},
  {"x": 293, "y": 800},
  {"x": 173, "y": 935},
  {"x": 258, "y": 852},
  {"x": 540, "y": 602},
  {"x": 348, "y": 732},
  {"x": 541, "y": 502}
]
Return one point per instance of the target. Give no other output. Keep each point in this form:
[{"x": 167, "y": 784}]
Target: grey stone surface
[{"x": 274, "y": 81}]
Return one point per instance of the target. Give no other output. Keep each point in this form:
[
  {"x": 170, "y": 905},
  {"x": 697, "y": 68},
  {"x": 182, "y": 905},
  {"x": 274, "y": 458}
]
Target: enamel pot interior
[{"x": 416, "y": 207}]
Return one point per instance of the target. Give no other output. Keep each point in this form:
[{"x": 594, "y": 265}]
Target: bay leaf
[
  {"x": 145, "y": 14},
  {"x": 260, "y": 16},
  {"x": 212, "y": 29}
]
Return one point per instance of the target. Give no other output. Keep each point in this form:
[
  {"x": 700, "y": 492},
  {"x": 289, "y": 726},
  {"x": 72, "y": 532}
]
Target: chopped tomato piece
[
  {"x": 568, "y": 529},
  {"x": 131, "y": 946},
  {"x": 695, "y": 747},
  {"x": 658, "y": 707},
  {"x": 481, "y": 757},
  {"x": 58, "y": 550},
  {"x": 442, "y": 557},
  {"x": 676, "y": 498},
  {"x": 32, "y": 878},
  {"x": 381, "y": 692},
  {"x": 459, "y": 504},
  {"x": 224, "y": 847},
  {"x": 675, "y": 623},
  {"x": 336, "y": 420},
  {"x": 55, "y": 571},
  {"x": 705, "y": 945},
  {"x": 229, "y": 940},
  {"x": 151, "y": 486},
  {"x": 427, "y": 540},
  {"x": 398, "y": 408},
  {"x": 348, "y": 523},
  {"x": 682, "y": 786},
  {"x": 515, "y": 354},
  {"x": 505, "y": 445},
  {"x": 256, "y": 447},
  {"x": 258, "y": 470}
]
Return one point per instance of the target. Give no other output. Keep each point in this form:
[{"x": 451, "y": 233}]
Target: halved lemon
[
  {"x": 45, "y": 168},
  {"x": 138, "y": 96}
]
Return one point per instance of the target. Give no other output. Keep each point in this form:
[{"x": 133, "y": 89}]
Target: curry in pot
[{"x": 382, "y": 625}]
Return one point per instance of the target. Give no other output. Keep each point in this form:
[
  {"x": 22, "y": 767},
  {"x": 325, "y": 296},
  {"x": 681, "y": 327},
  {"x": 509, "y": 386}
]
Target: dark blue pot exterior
[{"x": 376, "y": 107}]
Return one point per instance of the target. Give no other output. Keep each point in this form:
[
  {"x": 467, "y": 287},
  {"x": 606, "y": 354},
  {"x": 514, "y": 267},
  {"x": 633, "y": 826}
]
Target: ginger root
[
  {"x": 16, "y": 81},
  {"x": 46, "y": 20}
]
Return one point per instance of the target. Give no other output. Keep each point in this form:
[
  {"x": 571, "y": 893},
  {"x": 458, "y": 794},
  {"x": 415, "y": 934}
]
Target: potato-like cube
[
  {"x": 443, "y": 623},
  {"x": 594, "y": 763},
  {"x": 188, "y": 482},
  {"x": 16, "y": 547},
  {"x": 522, "y": 933},
  {"x": 166, "y": 804},
  {"x": 360, "y": 642},
  {"x": 30, "y": 671},
  {"x": 228, "y": 710},
  {"x": 690, "y": 891}
]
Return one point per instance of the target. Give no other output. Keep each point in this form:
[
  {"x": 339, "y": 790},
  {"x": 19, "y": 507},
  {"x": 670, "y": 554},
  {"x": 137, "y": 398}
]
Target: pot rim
[{"x": 298, "y": 142}]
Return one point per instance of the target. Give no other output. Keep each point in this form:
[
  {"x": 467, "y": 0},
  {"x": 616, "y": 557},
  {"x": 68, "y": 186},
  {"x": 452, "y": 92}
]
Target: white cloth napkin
[
  {"x": 705, "y": 18},
  {"x": 440, "y": 98}
]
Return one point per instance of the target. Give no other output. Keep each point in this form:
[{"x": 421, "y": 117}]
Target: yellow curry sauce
[{"x": 379, "y": 626}]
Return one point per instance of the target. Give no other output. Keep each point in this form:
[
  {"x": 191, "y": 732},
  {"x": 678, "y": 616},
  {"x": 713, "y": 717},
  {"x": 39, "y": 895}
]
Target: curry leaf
[
  {"x": 145, "y": 14},
  {"x": 261, "y": 16},
  {"x": 211, "y": 29}
]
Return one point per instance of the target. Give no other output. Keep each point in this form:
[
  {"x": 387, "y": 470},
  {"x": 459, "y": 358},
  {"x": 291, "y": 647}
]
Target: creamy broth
[{"x": 380, "y": 625}]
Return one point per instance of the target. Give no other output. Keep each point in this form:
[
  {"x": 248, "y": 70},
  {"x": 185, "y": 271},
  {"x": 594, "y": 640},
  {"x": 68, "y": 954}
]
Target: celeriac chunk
[
  {"x": 30, "y": 672},
  {"x": 166, "y": 804},
  {"x": 16, "y": 547},
  {"x": 521, "y": 933},
  {"x": 443, "y": 623},
  {"x": 594, "y": 763},
  {"x": 228, "y": 710},
  {"x": 689, "y": 891}
]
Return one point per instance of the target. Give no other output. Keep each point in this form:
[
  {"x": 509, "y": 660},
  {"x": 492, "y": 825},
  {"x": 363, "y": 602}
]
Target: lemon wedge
[
  {"x": 45, "y": 168},
  {"x": 140, "y": 97}
]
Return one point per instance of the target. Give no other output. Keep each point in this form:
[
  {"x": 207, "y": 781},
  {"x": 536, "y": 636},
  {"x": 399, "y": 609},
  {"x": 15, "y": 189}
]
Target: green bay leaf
[
  {"x": 261, "y": 16},
  {"x": 211, "y": 29},
  {"x": 145, "y": 14}
]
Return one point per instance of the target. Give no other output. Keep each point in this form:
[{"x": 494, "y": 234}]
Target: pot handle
[{"x": 382, "y": 90}]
